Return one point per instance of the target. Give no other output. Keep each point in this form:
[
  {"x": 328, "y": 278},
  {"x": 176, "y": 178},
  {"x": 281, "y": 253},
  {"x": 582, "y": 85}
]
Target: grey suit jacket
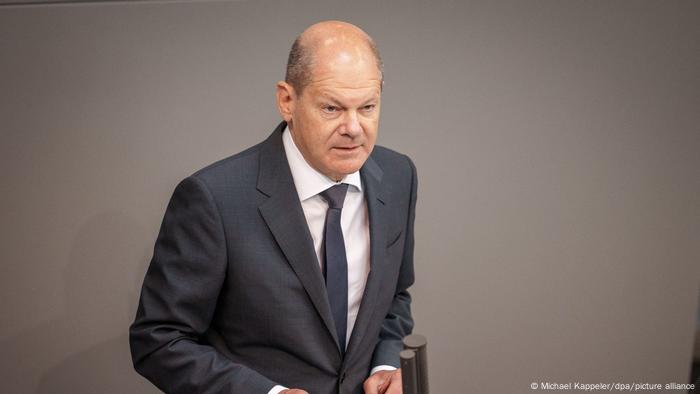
[{"x": 234, "y": 299}]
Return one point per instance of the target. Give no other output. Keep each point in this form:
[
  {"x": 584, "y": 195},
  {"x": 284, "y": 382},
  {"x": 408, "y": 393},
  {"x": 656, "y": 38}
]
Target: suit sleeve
[
  {"x": 398, "y": 322},
  {"x": 178, "y": 300}
]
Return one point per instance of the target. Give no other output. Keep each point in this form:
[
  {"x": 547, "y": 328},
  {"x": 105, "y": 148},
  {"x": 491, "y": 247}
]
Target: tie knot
[{"x": 335, "y": 195}]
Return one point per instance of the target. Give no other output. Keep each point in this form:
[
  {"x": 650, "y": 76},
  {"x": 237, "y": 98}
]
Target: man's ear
[{"x": 285, "y": 100}]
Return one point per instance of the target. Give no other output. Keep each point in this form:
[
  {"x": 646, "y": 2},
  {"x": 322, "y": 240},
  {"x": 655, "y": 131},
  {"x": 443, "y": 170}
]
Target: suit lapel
[
  {"x": 371, "y": 175},
  {"x": 284, "y": 216}
]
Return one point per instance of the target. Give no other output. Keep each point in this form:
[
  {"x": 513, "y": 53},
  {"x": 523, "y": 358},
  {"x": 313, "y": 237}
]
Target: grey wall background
[{"x": 557, "y": 143}]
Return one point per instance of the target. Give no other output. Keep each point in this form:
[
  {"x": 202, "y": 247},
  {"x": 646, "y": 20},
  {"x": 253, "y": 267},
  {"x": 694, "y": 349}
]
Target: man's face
[{"x": 334, "y": 120}]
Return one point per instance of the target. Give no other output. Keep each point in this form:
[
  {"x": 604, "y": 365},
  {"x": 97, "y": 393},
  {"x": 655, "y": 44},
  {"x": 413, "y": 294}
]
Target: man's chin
[
  {"x": 338, "y": 173},
  {"x": 352, "y": 166}
]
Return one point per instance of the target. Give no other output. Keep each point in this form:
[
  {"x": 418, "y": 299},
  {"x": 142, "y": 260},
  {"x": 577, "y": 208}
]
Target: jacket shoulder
[
  {"x": 239, "y": 168},
  {"x": 393, "y": 162}
]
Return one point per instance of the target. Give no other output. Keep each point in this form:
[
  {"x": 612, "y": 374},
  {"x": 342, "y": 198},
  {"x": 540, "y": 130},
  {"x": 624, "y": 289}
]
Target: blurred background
[{"x": 557, "y": 145}]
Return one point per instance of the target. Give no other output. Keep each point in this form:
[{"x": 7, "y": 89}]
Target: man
[{"x": 285, "y": 268}]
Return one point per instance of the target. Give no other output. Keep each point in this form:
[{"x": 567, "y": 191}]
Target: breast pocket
[
  {"x": 394, "y": 237},
  {"x": 394, "y": 248}
]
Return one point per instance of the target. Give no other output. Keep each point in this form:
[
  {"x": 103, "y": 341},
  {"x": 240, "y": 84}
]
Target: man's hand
[
  {"x": 293, "y": 391},
  {"x": 384, "y": 382}
]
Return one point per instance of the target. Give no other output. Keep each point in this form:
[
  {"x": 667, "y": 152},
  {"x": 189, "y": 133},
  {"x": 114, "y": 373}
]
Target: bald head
[{"x": 326, "y": 45}]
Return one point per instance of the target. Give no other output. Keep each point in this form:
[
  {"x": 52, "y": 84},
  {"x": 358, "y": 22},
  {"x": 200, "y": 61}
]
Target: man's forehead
[
  {"x": 354, "y": 74},
  {"x": 363, "y": 91}
]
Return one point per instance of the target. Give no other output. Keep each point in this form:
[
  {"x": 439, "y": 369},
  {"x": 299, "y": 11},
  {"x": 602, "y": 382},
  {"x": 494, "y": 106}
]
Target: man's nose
[{"x": 351, "y": 124}]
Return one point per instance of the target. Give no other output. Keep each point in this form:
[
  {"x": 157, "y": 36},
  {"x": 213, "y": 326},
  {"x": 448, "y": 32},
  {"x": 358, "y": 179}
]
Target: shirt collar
[{"x": 307, "y": 180}]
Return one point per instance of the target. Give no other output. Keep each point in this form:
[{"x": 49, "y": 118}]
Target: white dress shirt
[{"x": 354, "y": 221}]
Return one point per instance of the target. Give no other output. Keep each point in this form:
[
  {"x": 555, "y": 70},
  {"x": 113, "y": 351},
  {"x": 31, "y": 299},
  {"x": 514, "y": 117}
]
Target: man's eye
[
  {"x": 368, "y": 108},
  {"x": 330, "y": 109}
]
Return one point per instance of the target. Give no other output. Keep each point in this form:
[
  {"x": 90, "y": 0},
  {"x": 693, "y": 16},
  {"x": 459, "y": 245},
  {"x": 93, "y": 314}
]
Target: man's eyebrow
[
  {"x": 371, "y": 100},
  {"x": 334, "y": 101}
]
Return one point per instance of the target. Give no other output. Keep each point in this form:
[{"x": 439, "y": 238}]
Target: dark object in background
[
  {"x": 696, "y": 389},
  {"x": 414, "y": 365},
  {"x": 409, "y": 375}
]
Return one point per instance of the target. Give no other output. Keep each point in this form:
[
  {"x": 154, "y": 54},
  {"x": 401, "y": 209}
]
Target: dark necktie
[{"x": 336, "y": 267}]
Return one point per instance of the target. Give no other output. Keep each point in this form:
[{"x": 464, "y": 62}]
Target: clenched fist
[{"x": 384, "y": 382}]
